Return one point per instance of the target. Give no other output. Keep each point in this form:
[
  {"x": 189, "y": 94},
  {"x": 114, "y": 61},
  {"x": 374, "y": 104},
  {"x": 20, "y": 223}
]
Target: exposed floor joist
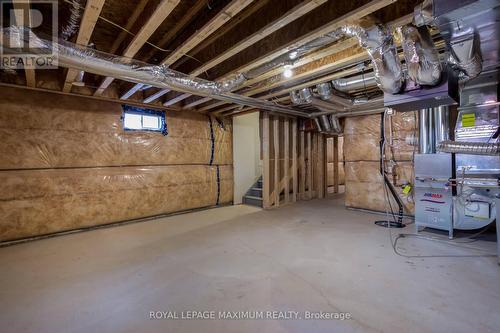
[
  {"x": 290, "y": 16},
  {"x": 334, "y": 48},
  {"x": 172, "y": 33},
  {"x": 352, "y": 16},
  {"x": 89, "y": 20},
  {"x": 160, "y": 14},
  {"x": 233, "y": 8}
]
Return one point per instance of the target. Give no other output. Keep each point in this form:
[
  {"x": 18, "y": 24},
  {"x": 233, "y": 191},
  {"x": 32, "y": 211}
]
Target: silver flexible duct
[
  {"x": 359, "y": 82},
  {"x": 70, "y": 55},
  {"x": 378, "y": 42},
  {"x": 75, "y": 16},
  {"x": 472, "y": 148},
  {"x": 422, "y": 58}
]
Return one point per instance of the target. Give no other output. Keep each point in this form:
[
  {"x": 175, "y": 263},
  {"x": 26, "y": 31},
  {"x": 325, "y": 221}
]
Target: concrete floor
[{"x": 311, "y": 256}]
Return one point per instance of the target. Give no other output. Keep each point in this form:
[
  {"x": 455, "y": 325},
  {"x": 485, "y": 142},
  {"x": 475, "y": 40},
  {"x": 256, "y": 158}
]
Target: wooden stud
[
  {"x": 321, "y": 166},
  {"x": 302, "y": 162},
  {"x": 294, "y": 160},
  {"x": 309, "y": 166},
  {"x": 90, "y": 15},
  {"x": 286, "y": 158},
  {"x": 22, "y": 16},
  {"x": 266, "y": 190},
  {"x": 276, "y": 148},
  {"x": 161, "y": 12},
  {"x": 335, "y": 164}
]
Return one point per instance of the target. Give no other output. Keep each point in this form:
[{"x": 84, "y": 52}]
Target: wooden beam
[
  {"x": 286, "y": 158},
  {"x": 290, "y": 16},
  {"x": 276, "y": 149},
  {"x": 321, "y": 166},
  {"x": 315, "y": 69},
  {"x": 89, "y": 20},
  {"x": 335, "y": 164},
  {"x": 175, "y": 30},
  {"x": 352, "y": 16},
  {"x": 161, "y": 12},
  {"x": 302, "y": 165},
  {"x": 316, "y": 56},
  {"x": 309, "y": 166},
  {"x": 294, "y": 160},
  {"x": 130, "y": 23},
  {"x": 22, "y": 15},
  {"x": 233, "y": 8},
  {"x": 266, "y": 189}
]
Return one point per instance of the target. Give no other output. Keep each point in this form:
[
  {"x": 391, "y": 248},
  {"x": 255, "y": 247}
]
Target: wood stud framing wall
[{"x": 294, "y": 162}]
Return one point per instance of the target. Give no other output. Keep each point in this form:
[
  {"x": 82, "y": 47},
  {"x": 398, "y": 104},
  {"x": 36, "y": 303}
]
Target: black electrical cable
[{"x": 387, "y": 184}]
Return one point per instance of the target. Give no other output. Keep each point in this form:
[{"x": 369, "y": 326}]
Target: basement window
[{"x": 141, "y": 119}]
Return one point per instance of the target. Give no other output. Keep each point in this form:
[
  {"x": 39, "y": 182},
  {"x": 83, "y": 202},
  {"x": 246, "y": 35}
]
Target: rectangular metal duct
[{"x": 416, "y": 98}]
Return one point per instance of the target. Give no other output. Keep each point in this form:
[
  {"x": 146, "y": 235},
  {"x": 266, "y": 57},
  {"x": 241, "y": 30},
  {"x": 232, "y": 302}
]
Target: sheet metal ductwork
[
  {"x": 358, "y": 82},
  {"x": 471, "y": 29}
]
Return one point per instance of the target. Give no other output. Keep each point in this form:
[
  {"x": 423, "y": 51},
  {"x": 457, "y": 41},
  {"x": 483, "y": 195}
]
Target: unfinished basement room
[{"x": 249, "y": 166}]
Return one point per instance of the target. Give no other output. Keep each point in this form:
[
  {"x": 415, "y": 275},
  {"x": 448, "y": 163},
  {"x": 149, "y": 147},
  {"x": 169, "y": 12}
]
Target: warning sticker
[
  {"x": 469, "y": 120},
  {"x": 406, "y": 189}
]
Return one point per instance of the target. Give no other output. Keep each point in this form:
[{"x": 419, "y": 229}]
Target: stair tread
[
  {"x": 257, "y": 188},
  {"x": 252, "y": 197}
]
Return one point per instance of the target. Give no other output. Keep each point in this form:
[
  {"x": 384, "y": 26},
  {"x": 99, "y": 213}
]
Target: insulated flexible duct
[
  {"x": 74, "y": 19},
  {"x": 472, "y": 148},
  {"x": 422, "y": 58},
  {"x": 378, "y": 42},
  {"x": 70, "y": 55}
]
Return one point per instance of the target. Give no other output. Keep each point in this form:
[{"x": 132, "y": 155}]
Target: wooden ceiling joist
[
  {"x": 172, "y": 33},
  {"x": 159, "y": 15},
  {"x": 323, "y": 53},
  {"x": 89, "y": 20},
  {"x": 23, "y": 17},
  {"x": 352, "y": 16},
  {"x": 233, "y": 8},
  {"x": 290, "y": 16},
  {"x": 334, "y": 48},
  {"x": 130, "y": 23}
]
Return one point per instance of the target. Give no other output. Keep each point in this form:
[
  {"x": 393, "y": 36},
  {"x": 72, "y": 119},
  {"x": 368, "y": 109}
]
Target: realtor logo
[{"x": 21, "y": 19}]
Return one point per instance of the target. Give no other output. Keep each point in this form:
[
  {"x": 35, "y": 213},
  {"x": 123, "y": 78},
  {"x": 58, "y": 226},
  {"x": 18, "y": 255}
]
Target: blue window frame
[{"x": 141, "y": 119}]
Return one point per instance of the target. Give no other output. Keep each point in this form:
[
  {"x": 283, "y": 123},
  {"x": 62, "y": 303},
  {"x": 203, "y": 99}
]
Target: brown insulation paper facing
[
  {"x": 364, "y": 184},
  {"x": 66, "y": 163}
]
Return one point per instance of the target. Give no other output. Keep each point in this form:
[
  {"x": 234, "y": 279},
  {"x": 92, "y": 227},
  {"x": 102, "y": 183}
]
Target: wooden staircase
[{"x": 253, "y": 196}]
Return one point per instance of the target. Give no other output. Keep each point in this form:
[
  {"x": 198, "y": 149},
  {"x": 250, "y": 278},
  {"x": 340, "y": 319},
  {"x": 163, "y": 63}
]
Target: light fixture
[
  {"x": 292, "y": 55},
  {"x": 288, "y": 72}
]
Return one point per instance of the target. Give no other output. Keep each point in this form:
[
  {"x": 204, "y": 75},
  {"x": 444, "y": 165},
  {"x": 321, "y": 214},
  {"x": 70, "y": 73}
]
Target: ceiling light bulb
[
  {"x": 293, "y": 55},
  {"x": 288, "y": 72}
]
